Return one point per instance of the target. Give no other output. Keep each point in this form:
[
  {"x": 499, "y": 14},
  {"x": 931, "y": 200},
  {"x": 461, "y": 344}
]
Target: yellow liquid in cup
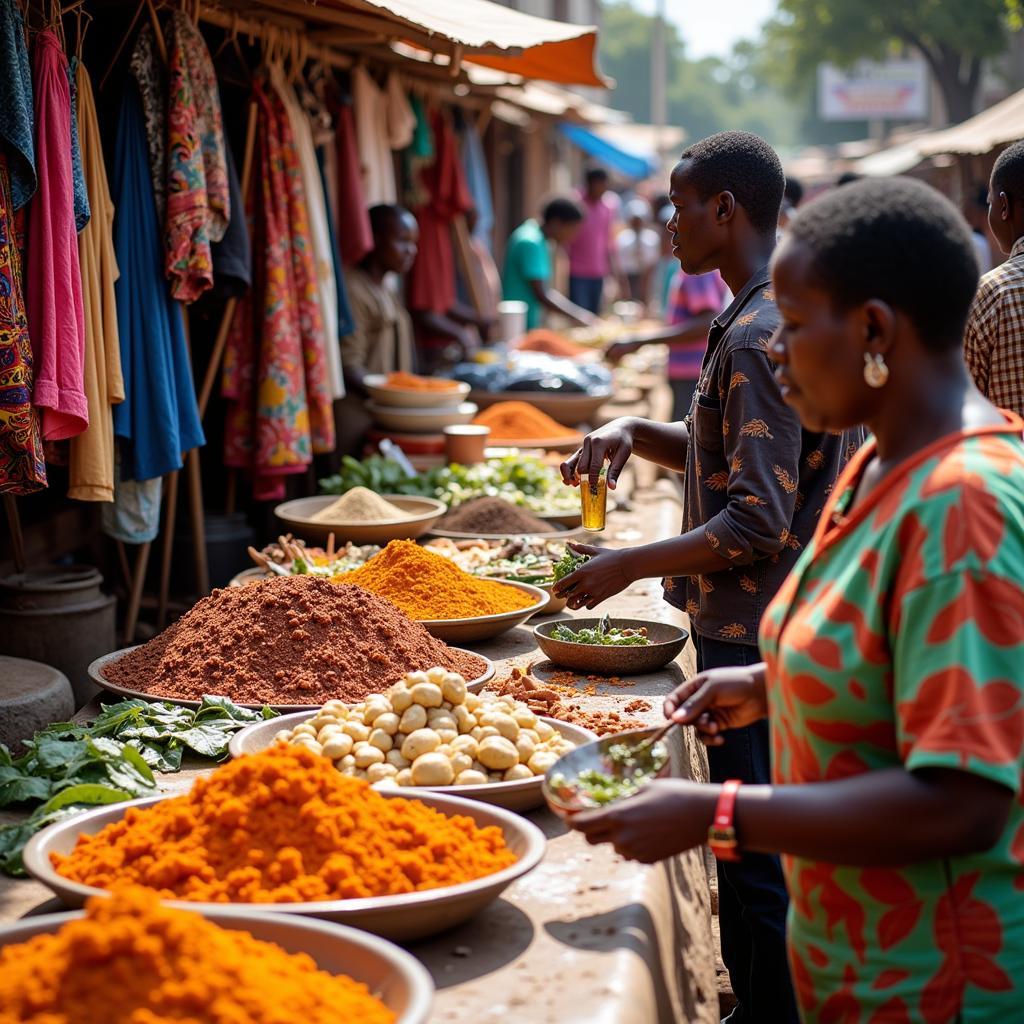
[{"x": 593, "y": 503}]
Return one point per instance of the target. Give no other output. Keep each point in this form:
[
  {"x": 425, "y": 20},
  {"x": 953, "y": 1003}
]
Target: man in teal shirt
[{"x": 528, "y": 269}]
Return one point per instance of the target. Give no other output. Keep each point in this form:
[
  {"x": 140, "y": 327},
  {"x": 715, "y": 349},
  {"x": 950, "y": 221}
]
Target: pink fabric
[
  {"x": 590, "y": 249},
  {"x": 54, "y": 283}
]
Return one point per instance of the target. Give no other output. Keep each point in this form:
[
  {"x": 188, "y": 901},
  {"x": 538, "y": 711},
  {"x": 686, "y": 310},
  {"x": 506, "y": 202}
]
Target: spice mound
[
  {"x": 286, "y": 640},
  {"x": 428, "y": 730},
  {"x": 520, "y": 421},
  {"x": 429, "y": 586},
  {"x": 285, "y": 827},
  {"x": 413, "y": 382},
  {"x": 361, "y": 505},
  {"x": 554, "y": 344},
  {"x": 492, "y": 515},
  {"x": 131, "y": 960}
]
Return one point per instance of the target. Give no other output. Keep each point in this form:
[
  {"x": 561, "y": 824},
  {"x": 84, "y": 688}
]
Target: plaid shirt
[
  {"x": 994, "y": 340},
  {"x": 689, "y": 296}
]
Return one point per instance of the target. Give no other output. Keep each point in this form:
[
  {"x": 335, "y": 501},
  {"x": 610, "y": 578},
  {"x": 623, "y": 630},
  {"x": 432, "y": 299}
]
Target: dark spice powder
[
  {"x": 492, "y": 515},
  {"x": 286, "y": 640}
]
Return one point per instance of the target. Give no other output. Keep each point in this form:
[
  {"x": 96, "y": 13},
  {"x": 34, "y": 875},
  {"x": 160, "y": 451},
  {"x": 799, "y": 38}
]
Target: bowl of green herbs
[{"x": 608, "y": 646}]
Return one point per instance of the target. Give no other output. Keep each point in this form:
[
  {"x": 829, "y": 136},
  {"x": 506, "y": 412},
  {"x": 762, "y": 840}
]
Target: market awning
[
  {"x": 632, "y": 165},
  {"x": 979, "y": 134},
  {"x": 495, "y": 36}
]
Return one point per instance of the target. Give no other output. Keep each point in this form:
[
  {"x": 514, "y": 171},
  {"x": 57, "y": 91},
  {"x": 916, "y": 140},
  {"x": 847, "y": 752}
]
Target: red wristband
[{"x": 722, "y": 833}]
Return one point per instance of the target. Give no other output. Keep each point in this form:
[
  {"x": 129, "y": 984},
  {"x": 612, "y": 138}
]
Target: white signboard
[{"x": 893, "y": 90}]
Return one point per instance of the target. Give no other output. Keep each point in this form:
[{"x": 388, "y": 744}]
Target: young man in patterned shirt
[
  {"x": 755, "y": 486},
  {"x": 994, "y": 339}
]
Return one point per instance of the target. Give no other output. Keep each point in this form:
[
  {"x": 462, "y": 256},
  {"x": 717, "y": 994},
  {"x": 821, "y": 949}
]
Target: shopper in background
[
  {"x": 792, "y": 197},
  {"x": 976, "y": 213},
  {"x": 638, "y": 248},
  {"x": 592, "y": 252},
  {"x": 528, "y": 264},
  {"x": 994, "y": 339}
]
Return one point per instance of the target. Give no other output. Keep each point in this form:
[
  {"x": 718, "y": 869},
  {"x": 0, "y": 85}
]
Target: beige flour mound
[{"x": 360, "y": 505}]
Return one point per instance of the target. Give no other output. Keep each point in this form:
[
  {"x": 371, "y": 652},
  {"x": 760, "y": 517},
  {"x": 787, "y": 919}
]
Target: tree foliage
[{"x": 953, "y": 36}]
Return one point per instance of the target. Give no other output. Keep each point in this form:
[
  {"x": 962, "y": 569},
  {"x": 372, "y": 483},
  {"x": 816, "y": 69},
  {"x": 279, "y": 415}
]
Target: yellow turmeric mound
[
  {"x": 132, "y": 961},
  {"x": 285, "y": 827},
  {"x": 429, "y": 586}
]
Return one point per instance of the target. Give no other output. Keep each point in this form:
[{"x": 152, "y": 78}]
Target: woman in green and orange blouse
[{"x": 893, "y": 677}]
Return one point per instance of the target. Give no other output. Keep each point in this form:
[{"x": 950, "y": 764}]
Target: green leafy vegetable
[
  {"x": 606, "y": 638},
  {"x": 569, "y": 563}
]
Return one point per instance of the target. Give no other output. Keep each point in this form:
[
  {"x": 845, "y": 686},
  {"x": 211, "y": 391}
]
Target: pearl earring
[{"x": 876, "y": 373}]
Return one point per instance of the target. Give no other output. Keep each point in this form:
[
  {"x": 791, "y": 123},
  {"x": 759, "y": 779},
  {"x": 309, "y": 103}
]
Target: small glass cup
[{"x": 594, "y": 503}]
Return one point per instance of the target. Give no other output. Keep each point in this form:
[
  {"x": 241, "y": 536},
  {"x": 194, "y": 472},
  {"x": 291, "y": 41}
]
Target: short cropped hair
[
  {"x": 897, "y": 240},
  {"x": 593, "y": 174},
  {"x": 1008, "y": 171},
  {"x": 564, "y": 209},
  {"x": 794, "y": 191},
  {"x": 848, "y": 178},
  {"x": 745, "y": 165},
  {"x": 383, "y": 215}
]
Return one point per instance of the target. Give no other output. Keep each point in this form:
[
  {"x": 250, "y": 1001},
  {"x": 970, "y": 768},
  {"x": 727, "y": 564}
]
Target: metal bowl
[
  {"x": 595, "y": 756},
  {"x": 521, "y": 795},
  {"x": 396, "y": 977},
  {"x": 298, "y": 514},
  {"x": 401, "y": 917},
  {"x": 484, "y": 627},
  {"x": 570, "y": 409},
  {"x": 95, "y": 671},
  {"x": 666, "y": 642}
]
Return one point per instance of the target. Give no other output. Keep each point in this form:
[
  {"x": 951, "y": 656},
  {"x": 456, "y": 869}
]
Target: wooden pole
[
  {"x": 167, "y": 551},
  {"x": 466, "y": 262},
  {"x": 17, "y": 538},
  {"x": 131, "y": 615}
]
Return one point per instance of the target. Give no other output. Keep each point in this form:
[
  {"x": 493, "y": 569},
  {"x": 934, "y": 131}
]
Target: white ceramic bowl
[
  {"x": 396, "y": 977},
  {"x": 522, "y": 795},
  {"x": 298, "y": 514},
  {"x": 484, "y": 627},
  {"x": 423, "y": 420},
  {"x": 401, "y": 917},
  {"x": 384, "y": 394}
]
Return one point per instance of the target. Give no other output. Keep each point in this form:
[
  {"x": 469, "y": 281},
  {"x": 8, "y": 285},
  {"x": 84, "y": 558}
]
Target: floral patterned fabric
[
  {"x": 897, "y": 641},
  {"x": 149, "y": 77},
  {"x": 198, "y": 205},
  {"x": 275, "y": 369},
  {"x": 22, "y": 468}
]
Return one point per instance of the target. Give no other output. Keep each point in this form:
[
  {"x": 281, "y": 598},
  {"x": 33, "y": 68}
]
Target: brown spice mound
[
  {"x": 286, "y": 640},
  {"x": 547, "y": 699},
  {"x": 492, "y": 515},
  {"x": 637, "y": 707}
]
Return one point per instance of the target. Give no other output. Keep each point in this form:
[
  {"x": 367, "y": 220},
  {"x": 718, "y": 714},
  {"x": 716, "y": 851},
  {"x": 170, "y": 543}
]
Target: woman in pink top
[{"x": 591, "y": 253}]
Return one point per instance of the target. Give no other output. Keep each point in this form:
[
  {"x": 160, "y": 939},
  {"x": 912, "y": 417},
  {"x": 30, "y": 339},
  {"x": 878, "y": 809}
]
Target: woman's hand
[
  {"x": 603, "y": 576},
  {"x": 666, "y": 817},
  {"x": 719, "y": 699},
  {"x": 612, "y": 444}
]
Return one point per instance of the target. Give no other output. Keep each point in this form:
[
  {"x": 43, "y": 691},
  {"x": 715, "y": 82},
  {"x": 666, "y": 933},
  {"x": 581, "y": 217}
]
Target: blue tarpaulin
[{"x": 633, "y": 165}]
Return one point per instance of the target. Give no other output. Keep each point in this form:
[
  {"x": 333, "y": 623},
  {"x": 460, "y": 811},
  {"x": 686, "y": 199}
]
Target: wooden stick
[
  {"x": 131, "y": 615},
  {"x": 167, "y": 552},
  {"x": 122, "y": 558},
  {"x": 466, "y": 262},
  {"x": 198, "y": 522},
  {"x": 17, "y": 538},
  {"x": 158, "y": 33}
]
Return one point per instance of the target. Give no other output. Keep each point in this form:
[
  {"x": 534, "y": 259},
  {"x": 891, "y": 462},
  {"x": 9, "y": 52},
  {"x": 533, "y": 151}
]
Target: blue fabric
[
  {"x": 232, "y": 255},
  {"x": 158, "y": 417},
  {"x": 752, "y": 897},
  {"x": 16, "y": 121},
  {"x": 632, "y": 165},
  {"x": 134, "y": 514},
  {"x": 586, "y": 292},
  {"x": 474, "y": 163},
  {"x": 346, "y": 322},
  {"x": 82, "y": 211}
]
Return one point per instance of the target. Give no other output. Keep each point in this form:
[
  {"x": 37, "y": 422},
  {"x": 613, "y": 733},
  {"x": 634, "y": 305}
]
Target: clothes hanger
[{"x": 139, "y": 8}]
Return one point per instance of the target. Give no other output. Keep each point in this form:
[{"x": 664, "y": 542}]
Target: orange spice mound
[
  {"x": 413, "y": 382},
  {"x": 284, "y": 826},
  {"x": 132, "y": 961},
  {"x": 425, "y": 585},
  {"x": 520, "y": 421},
  {"x": 540, "y": 339}
]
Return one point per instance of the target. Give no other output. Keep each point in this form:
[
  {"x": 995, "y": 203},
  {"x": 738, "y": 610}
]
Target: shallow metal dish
[
  {"x": 522, "y": 795},
  {"x": 666, "y": 642},
  {"x": 570, "y": 409},
  {"x": 484, "y": 627},
  {"x": 402, "y": 917},
  {"x": 298, "y": 514},
  {"x": 396, "y": 977},
  {"x": 593, "y": 756},
  {"x": 95, "y": 671}
]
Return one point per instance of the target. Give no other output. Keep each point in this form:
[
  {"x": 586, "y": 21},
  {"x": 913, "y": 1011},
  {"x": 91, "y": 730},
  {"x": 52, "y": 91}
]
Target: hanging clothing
[
  {"x": 158, "y": 419},
  {"x": 91, "y": 464},
  {"x": 346, "y": 323},
  {"x": 432, "y": 278},
  {"x": 16, "y": 105},
  {"x": 22, "y": 467},
  {"x": 275, "y": 375},
  {"x": 372, "y": 135},
  {"x": 82, "y": 212},
  {"x": 352, "y": 217},
  {"x": 54, "y": 283},
  {"x": 419, "y": 155},
  {"x": 401, "y": 118},
  {"x": 232, "y": 255},
  {"x": 312, "y": 190},
  {"x": 148, "y": 72},
  {"x": 198, "y": 202},
  {"x": 134, "y": 514},
  {"x": 478, "y": 181}
]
